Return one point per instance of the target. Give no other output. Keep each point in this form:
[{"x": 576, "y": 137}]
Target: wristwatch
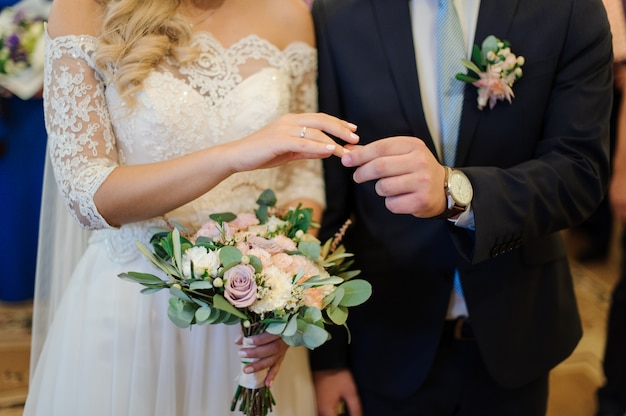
[{"x": 459, "y": 193}]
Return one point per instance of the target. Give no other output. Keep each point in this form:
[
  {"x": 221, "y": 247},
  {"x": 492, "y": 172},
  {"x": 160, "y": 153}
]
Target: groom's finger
[{"x": 389, "y": 146}]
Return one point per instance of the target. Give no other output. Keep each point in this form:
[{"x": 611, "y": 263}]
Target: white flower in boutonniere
[{"x": 497, "y": 68}]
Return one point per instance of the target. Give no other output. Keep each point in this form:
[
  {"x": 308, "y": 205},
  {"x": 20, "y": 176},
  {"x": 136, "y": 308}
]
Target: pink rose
[
  {"x": 211, "y": 229},
  {"x": 314, "y": 296},
  {"x": 275, "y": 245},
  {"x": 244, "y": 221},
  {"x": 240, "y": 285},
  {"x": 285, "y": 243}
]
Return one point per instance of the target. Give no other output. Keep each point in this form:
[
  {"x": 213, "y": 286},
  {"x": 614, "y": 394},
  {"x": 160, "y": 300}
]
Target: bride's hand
[
  {"x": 269, "y": 351},
  {"x": 291, "y": 137}
]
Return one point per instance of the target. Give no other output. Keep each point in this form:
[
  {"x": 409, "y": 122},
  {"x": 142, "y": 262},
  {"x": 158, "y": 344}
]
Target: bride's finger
[
  {"x": 334, "y": 126},
  {"x": 310, "y": 133},
  {"x": 272, "y": 373}
]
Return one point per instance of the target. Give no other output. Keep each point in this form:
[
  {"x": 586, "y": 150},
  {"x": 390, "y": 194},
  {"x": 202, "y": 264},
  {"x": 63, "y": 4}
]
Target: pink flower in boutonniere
[{"x": 497, "y": 68}]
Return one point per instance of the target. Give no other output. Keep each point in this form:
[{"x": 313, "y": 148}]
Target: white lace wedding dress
[{"x": 110, "y": 350}]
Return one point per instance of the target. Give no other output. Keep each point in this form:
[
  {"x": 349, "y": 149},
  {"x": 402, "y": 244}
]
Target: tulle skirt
[{"x": 112, "y": 351}]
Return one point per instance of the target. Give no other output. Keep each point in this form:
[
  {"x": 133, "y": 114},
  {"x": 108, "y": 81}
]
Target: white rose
[
  {"x": 202, "y": 259},
  {"x": 278, "y": 292}
]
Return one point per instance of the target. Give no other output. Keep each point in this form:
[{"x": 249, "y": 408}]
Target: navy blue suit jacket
[{"x": 538, "y": 166}]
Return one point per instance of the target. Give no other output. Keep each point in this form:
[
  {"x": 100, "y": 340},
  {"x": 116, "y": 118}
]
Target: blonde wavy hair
[{"x": 136, "y": 36}]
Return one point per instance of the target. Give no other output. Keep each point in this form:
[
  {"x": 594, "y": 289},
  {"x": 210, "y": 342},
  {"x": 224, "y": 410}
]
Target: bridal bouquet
[
  {"x": 22, "y": 47},
  {"x": 262, "y": 270}
]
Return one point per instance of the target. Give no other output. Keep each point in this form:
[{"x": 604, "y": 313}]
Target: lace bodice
[{"x": 227, "y": 93}]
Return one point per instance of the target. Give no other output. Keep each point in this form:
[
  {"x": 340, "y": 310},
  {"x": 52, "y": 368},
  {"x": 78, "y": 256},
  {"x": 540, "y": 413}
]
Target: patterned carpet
[
  {"x": 572, "y": 384},
  {"x": 15, "y": 322}
]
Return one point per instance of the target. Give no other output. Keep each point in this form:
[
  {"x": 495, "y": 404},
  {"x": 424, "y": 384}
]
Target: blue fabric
[
  {"x": 21, "y": 174},
  {"x": 23, "y": 143},
  {"x": 450, "y": 51}
]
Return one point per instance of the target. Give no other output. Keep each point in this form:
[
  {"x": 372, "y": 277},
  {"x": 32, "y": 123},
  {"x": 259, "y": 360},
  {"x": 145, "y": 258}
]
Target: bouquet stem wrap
[{"x": 254, "y": 397}]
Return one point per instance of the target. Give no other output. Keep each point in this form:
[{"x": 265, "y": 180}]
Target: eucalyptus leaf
[
  {"x": 314, "y": 336},
  {"x": 295, "y": 340},
  {"x": 216, "y": 316},
  {"x": 256, "y": 263},
  {"x": 230, "y": 256},
  {"x": 222, "y": 217},
  {"x": 261, "y": 214},
  {"x": 267, "y": 197},
  {"x": 200, "y": 302},
  {"x": 337, "y": 314},
  {"x": 203, "y": 314},
  {"x": 175, "y": 291},
  {"x": 206, "y": 242},
  {"x": 489, "y": 44},
  {"x": 200, "y": 285},
  {"x": 310, "y": 249},
  {"x": 312, "y": 315},
  {"x": 355, "y": 292},
  {"x": 181, "y": 313},
  {"x": 339, "y": 293},
  {"x": 292, "y": 326},
  {"x": 276, "y": 328},
  {"x": 221, "y": 303}
]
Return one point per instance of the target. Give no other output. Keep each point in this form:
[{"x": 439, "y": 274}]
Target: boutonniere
[{"x": 497, "y": 68}]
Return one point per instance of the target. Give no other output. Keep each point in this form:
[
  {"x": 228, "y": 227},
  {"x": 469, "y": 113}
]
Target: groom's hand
[
  {"x": 406, "y": 172},
  {"x": 334, "y": 389}
]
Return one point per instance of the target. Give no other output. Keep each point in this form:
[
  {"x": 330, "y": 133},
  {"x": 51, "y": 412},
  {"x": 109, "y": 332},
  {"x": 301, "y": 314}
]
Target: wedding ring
[{"x": 302, "y": 132}]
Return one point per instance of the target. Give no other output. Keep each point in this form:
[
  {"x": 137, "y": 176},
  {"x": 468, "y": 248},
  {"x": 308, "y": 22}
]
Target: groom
[{"x": 523, "y": 171}]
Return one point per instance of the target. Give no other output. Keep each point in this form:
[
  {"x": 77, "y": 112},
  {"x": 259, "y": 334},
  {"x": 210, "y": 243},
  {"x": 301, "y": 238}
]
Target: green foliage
[
  {"x": 223, "y": 217},
  {"x": 266, "y": 200}
]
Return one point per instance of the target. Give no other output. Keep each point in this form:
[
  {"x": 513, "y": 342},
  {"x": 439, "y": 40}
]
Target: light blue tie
[{"x": 450, "y": 51}]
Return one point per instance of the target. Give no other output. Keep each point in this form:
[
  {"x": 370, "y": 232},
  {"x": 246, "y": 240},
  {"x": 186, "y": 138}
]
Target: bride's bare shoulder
[
  {"x": 75, "y": 17},
  {"x": 288, "y": 21}
]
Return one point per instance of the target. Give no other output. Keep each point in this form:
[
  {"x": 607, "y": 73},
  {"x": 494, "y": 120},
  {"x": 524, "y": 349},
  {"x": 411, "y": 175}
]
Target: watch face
[{"x": 460, "y": 188}]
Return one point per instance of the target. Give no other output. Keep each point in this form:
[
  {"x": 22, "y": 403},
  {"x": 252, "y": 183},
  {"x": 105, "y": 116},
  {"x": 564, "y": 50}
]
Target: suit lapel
[
  {"x": 393, "y": 19},
  {"x": 494, "y": 18}
]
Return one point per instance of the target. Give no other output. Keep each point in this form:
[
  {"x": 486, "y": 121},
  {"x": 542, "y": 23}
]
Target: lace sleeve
[
  {"x": 303, "y": 178},
  {"x": 80, "y": 137},
  {"x": 302, "y": 60}
]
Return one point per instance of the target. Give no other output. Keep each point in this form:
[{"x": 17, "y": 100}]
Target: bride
[{"x": 165, "y": 110}]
